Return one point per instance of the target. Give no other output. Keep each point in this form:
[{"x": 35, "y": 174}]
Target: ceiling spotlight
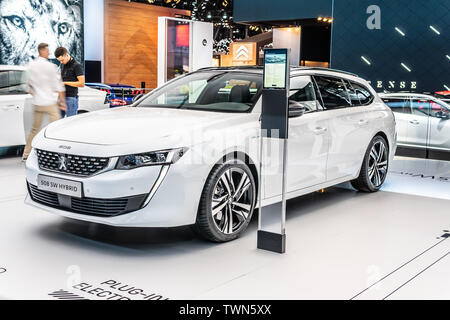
[
  {"x": 325, "y": 20},
  {"x": 319, "y": 18}
]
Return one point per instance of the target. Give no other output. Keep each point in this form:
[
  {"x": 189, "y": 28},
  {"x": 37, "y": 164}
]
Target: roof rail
[
  {"x": 292, "y": 68},
  {"x": 325, "y": 69},
  {"x": 233, "y": 68}
]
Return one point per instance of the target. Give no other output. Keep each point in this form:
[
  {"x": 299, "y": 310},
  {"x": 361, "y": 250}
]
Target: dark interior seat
[{"x": 240, "y": 94}]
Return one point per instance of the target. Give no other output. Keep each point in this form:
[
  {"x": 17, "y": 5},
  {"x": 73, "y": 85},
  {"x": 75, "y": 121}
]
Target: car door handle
[
  {"x": 320, "y": 130},
  {"x": 363, "y": 122},
  {"x": 9, "y": 107},
  {"x": 415, "y": 122}
]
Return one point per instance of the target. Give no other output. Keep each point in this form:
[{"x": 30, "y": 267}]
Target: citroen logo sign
[
  {"x": 242, "y": 53},
  {"x": 62, "y": 163}
]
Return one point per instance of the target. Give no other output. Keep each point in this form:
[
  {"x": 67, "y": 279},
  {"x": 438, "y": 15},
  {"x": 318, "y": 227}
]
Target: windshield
[{"x": 216, "y": 90}]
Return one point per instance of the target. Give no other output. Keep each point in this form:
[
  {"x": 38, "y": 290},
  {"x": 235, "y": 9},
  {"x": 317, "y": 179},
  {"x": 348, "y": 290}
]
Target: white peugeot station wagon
[{"x": 188, "y": 152}]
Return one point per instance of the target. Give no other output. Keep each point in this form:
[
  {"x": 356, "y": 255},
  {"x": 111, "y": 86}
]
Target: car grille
[
  {"x": 87, "y": 206},
  {"x": 73, "y": 164}
]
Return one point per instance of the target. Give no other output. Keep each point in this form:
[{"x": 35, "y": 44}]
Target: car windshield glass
[{"x": 216, "y": 90}]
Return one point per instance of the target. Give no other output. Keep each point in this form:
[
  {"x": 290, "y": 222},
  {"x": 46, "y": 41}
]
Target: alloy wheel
[
  {"x": 232, "y": 200},
  {"x": 378, "y": 164}
]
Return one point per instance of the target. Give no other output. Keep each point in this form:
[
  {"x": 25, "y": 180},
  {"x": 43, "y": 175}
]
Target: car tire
[
  {"x": 374, "y": 168},
  {"x": 229, "y": 195}
]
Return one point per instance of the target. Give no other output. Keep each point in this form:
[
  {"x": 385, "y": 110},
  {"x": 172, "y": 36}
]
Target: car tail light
[{"x": 118, "y": 102}]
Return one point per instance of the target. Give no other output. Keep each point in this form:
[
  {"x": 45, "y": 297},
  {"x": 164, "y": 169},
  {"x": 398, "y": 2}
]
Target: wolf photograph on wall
[{"x": 26, "y": 23}]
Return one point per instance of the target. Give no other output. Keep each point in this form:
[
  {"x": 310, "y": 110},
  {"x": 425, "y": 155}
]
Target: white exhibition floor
[{"x": 340, "y": 245}]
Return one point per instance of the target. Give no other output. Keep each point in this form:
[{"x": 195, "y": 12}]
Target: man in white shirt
[{"x": 45, "y": 85}]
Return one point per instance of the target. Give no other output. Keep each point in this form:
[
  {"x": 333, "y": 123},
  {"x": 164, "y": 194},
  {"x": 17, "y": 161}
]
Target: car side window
[
  {"x": 362, "y": 94},
  {"x": 421, "y": 107},
  {"x": 398, "y": 105},
  {"x": 17, "y": 82},
  {"x": 334, "y": 93},
  {"x": 12, "y": 82},
  {"x": 439, "y": 110},
  {"x": 302, "y": 93},
  {"x": 354, "y": 98},
  {"x": 4, "y": 82}
]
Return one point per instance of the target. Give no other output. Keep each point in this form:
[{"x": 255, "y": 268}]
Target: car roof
[
  {"x": 97, "y": 84},
  {"x": 259, "y": 69},
  {"x": 406, "y": 94},
  {"x": 4, "y": 67},
  {"x": 295, "y": 71},
  {"x": 298, "y": 71},
  {"x": 119, "y": 85}
]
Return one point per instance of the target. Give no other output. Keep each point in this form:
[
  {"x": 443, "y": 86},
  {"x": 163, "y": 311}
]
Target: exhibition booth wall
[
  {"x": 397, "y": 45},
  {"x": 131, "y": 41},
  {"x": 116, "y": 39}
]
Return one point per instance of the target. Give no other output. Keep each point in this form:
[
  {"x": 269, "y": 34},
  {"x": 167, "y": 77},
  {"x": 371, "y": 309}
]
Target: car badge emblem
[{"x": 62, "y": 162}]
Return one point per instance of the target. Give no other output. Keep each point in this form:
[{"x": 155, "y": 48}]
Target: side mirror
[{"x": 296, "y": 109}]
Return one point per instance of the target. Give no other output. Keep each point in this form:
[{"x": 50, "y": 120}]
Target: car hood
[{"x": 156, "y": 126}]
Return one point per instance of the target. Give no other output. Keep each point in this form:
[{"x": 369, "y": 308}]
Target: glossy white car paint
[
  {"x": 11, "y": 111},
  {"x": 16, "y": 110},
  {"x": 346, "y": 133},
  {"x": 417, "y": 129},
  {"x": 89, "y": 100}
]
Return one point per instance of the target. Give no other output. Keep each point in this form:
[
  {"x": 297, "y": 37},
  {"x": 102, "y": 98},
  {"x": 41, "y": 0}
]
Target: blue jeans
[{"x": 72, "y": 107}]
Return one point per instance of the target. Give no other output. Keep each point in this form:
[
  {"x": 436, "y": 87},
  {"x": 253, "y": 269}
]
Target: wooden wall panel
[{"x": 131, "y": 41}]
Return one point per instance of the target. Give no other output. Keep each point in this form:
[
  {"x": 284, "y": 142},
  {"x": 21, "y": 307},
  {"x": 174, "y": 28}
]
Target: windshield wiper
[{"x": 183, "y": 103}]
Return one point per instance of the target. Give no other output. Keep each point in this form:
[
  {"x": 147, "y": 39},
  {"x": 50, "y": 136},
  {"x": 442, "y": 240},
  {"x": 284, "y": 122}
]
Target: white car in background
[
  {"x": 16, "y": 110},
  {"x": 423, "y": 124},
  {"x": 187, "y": 153}
]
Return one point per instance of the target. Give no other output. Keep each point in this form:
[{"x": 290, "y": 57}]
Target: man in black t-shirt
[{"x": 73, "y": 78}]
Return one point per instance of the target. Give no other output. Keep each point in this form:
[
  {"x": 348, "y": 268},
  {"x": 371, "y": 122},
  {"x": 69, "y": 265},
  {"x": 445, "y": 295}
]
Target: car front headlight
[{"x": 155, "y": 158}]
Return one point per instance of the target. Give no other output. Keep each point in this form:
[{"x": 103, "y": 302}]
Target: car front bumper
[{"x": 174, "y": 203}]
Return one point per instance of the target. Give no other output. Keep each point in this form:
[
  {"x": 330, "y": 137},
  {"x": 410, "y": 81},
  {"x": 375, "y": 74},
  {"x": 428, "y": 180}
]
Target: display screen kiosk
[{"x": 273, "y": 151}]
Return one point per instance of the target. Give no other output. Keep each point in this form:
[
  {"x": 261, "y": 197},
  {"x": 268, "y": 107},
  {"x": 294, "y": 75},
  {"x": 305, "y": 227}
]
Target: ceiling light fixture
[
  {"x": 406, "y": 67},
  {"x": 366, "y": 60},
  {"x": 400, "y": 31},
  {"x": 435, "y": 30}
]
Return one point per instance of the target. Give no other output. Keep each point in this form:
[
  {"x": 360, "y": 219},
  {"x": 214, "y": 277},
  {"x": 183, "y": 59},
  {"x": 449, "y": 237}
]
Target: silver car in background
[{"x": 423, "y": 125}]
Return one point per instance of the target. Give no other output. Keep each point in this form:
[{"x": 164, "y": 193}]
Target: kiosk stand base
[{"x": 269, "y": 241}]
